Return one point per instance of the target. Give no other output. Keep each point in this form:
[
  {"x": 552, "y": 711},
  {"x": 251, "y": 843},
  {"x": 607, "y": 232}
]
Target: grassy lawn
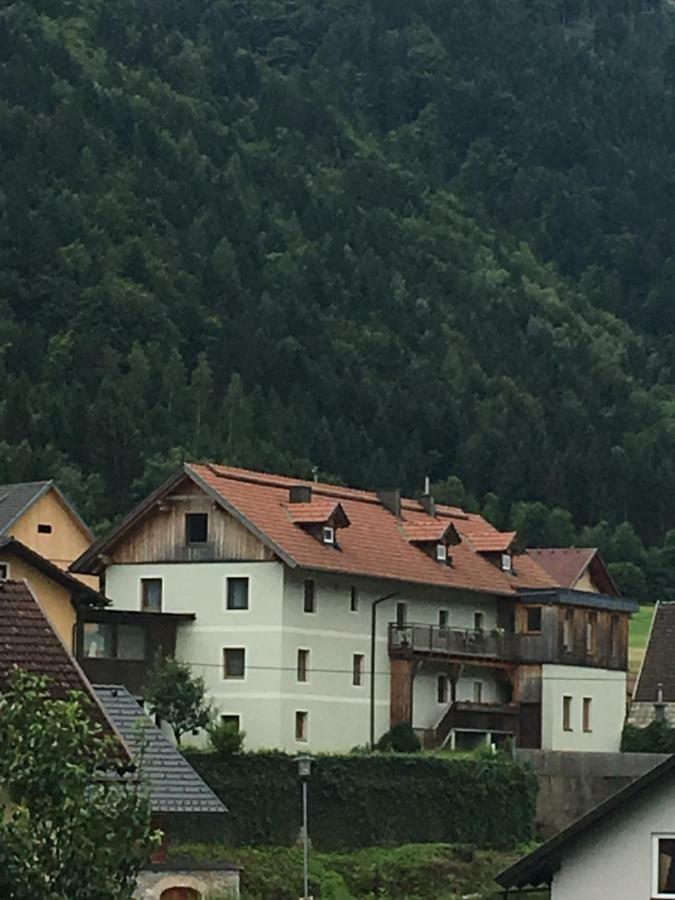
[{"x": 639, "y": 630}]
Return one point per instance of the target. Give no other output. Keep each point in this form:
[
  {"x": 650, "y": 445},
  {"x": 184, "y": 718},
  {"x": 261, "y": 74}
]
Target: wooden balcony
[
  {"x": 493, "y": 718},
  {"x": 433, "y": 642}
]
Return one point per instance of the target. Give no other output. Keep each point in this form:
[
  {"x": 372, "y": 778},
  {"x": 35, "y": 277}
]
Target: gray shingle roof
[
  {"x": 15, "y": 498},
  {"x": 174, "y": 785},
  {"x": 658, "y": 666}
]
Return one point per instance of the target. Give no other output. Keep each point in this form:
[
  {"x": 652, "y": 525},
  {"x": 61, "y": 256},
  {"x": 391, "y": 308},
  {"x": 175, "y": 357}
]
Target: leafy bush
[
  {"x": 225, "y": 738},
  {"x": 657, "y": 737},
  {"x": 400, "y": 739},
  {"x": 379, "y": 799}
]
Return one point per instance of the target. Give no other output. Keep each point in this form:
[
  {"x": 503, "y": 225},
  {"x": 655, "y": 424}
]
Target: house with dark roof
[
  {"x": 654, "y": 692},
  {"x": 623, "y": 849},
  {"x": 320, "y": 615},
  {"x": 179, "y": 798}
]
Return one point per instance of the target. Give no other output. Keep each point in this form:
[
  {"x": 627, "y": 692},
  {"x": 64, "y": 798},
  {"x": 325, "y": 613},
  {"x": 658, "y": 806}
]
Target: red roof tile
[
  {"x": 499, "y": 542},
  {"x": 419, "y": 532},
  {"x": 316, "y": 512},
  {"x": 376, "y": 544}
]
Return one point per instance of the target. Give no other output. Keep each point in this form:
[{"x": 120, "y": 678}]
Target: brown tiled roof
[
  {"x": 28, "y": 641},
  {"x": 658, "y": 665},
  {"x": 423, "y": 532},
  {"x": 376, "y": 542},
  {"x": 497, "y": 542},
  {"x": 316, "y": 512},
  {"x": 564, "y": 564}
]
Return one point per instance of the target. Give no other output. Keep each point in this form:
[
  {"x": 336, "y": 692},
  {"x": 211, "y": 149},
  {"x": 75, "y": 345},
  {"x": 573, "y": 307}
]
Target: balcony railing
[{"x": 432, "y": 640}]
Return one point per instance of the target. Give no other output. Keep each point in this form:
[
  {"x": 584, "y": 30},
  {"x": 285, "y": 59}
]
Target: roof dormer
[
  {"x": 434, "y": 538},
  {"x": 497, "y": 547},
  {"x": 321, "y": 517}
]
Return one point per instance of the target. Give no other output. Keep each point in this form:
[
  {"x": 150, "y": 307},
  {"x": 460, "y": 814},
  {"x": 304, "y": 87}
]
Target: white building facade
[{"x": 284, "y": 643}]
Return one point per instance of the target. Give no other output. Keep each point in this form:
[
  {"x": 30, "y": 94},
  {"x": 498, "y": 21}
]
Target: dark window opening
[
  {"x": 309, "y": 605},
  {"x": 442, "y": 689},
  {"x": 234, "y": 662},
  {"x": 3, "y": 571},
  {"x": 354, "y": 600},
  {"x": 357, "y": 670},
  {"x": 237, "y": 593},
  {"x": 401, "y": 614},
  {"x": 301, "y": 721},
  {"x": 233, "y": 721},
  {"x": 303, "y": 665},
  {"x": 533, "y": 619},
  {"x": 196, "y": 528},
  {"x": 44, "y": 529},
  {"x": 479, "y": 621},
  {"x": 443, "y": 618}
]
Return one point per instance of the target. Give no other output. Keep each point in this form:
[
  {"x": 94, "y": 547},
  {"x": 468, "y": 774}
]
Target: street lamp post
[{"x": 304, "y": 771}]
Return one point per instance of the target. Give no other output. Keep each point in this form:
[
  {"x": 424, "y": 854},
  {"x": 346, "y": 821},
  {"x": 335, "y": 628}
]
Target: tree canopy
[{"x": 386, "y": 239}]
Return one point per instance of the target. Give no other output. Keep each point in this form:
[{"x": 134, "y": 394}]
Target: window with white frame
[
  {"x": 301, "y": 725},
  {"x": 328, "y": 534},
  {"x": 357, "y": 669},
  {"x": 237, "y": 593},
  {"x": 234, "y": 662},
  {"x": 441, "y": 553},
  {"x": 663, "y": 865}
]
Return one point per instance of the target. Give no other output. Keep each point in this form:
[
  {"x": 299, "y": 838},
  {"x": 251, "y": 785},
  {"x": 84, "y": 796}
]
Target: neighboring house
[
  {"x": 38, "y": 515},
  {"x": 276, "y": 591},
  {"x": 654, "y": 694},
  {"x": 59, "y": 593},
  {"x": 579, "y": 568},
  {"x": 177, "y": 793},
  {"x": 623, "y": 849}
]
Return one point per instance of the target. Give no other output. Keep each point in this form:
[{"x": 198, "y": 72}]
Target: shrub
[
  {"x": 657, "y": 737},
  {"x": 225, "y": 738},
  {"x": 400, "y": 739}
]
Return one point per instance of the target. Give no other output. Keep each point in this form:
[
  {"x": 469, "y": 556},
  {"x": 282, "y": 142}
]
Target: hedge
[{"x": 378, "y": 800}]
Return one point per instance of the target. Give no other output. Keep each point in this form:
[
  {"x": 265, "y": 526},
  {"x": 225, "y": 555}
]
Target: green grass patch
[{"x": 411, "y": 872}]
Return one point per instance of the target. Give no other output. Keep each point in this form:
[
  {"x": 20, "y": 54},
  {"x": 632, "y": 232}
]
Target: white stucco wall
[
  {"x": 273, "y": 629},
  {"x": 615, "y": 860},
  {"x": 607, "y": 690}
]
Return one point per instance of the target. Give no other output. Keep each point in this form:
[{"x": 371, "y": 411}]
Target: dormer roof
[
  {"x": 493, "y": 542},
  {"x": 318, "y": 511}
]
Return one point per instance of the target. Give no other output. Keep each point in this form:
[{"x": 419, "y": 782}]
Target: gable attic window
[
  {"x": 441, "y": 553},
  {"x": 43, "y": 528},
  {"x": 328, "y": 534},
  {"x": 196, "y": 528}
]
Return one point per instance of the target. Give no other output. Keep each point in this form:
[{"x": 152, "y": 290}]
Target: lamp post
[{"x": 304, "y": 771}]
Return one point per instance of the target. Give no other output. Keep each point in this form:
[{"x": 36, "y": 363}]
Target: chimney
[
  {"x": 659, "y": 706},
  {"x": 428, "y": 504},
  {"x": 390, "y": 498},
  {"x": 300, "y": 493}
]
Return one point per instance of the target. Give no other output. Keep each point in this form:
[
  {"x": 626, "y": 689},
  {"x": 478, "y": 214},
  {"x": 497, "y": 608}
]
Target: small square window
[
  {"x": 301, "y": 725},
  {"x": 533, "y": 619},
  {"x": 196, "y": 528},
  {"x": 151, "y": 594},
  {"x": 357, "y": 669},
  {"x": 478, "y": 692},
  {"x": 354, "y": 600},
  {"x": 309, "y": 604},
  {"x": 588, "y": 705},
  {"x": 234, "y": 662},
  {"x": 303, "y": 665},
  {"x": 567, "y": 714},
  {"x": 442, "y": 689},
  {"x": 4, "y": 571},
  {"x": 237, "y": 593},
  {"x": 441, "y": 553},
  {"x": 44, "y": 529},
  {"x": 328, "y": 535},
  {"x": 233, "y": 721},
  {"x": 443, "y": 618}
]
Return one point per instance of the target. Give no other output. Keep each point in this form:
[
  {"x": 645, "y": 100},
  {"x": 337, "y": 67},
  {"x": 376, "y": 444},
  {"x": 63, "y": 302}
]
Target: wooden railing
[{"x": 433, "y": 640}]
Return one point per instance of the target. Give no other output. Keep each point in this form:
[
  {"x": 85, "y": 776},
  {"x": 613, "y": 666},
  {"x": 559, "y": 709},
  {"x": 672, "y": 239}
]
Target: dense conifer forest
[{"x": 386, "y": 238}]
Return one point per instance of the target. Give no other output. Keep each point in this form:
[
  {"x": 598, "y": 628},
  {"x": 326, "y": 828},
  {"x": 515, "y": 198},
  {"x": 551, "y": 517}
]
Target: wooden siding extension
[
  {"x": 401, "y": 691},
  {"x": 160, "y": 537}
]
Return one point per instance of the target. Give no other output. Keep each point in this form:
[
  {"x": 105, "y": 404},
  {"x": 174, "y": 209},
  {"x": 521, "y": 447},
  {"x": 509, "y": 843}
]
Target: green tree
[
  {"x": 177, "y": 697},
  {"x": 73, "y": 829}
]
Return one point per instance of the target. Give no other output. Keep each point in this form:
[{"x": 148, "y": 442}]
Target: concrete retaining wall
[{"x": 570, "y": 784}]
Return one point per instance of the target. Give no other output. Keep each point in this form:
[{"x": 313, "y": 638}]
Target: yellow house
[
  {"x": 37, "y": 514},
  {"x": 59, "y": 593}
]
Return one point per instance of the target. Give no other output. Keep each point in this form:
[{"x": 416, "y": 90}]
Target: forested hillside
[{"x": 390, "y": 239}]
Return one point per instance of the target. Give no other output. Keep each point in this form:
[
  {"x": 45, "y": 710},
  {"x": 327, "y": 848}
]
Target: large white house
[{"x": 320, "y": 615}]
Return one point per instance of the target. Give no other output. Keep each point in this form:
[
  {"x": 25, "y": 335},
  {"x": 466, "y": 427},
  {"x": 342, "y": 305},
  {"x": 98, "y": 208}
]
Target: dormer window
[
  {"x": 328, "y": 534},
  {"x": 441, "y": 553},
  {"x": 507, "y": 562}
]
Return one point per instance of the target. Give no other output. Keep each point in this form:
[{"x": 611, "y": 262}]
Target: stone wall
[
  {"x": 571, "y": 784},
  {"x": 211, "y": 881}
]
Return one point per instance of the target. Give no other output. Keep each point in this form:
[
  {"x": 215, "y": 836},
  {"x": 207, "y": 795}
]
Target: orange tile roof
[
  {"x": 316, "y": 512},
  {"x": 375, "y": 544},
  {"x": 497, "y": 542},
  {"x": 427, "y": 531}
]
